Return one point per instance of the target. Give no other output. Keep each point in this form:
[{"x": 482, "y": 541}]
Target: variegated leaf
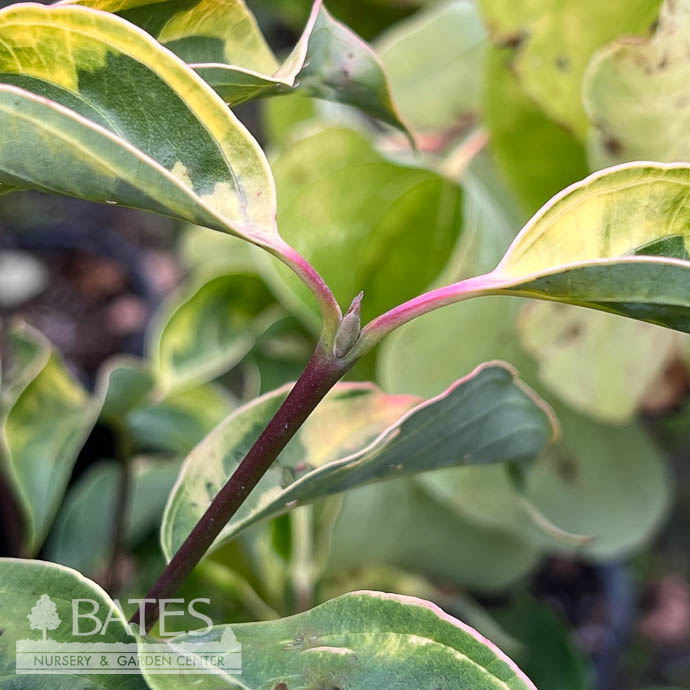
[
  {"x": 99, "y": 110},
  {"x": 222, "y": 42},
  {"x": 618, "y": 241},
  {"x": 47, "y": 418},
  {"x": 359, "y": 641},
  {"x": 358, "y": 434}
]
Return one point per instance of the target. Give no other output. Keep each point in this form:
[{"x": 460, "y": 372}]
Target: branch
[
  {"x": 381, "y": 326},
  {"x": 322, "y": 372},
  {"x": 122, "y": 452}
]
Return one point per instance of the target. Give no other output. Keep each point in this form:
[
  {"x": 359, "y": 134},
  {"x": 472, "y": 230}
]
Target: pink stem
[
  {"x": 381, "y": 326},
  {"x": 330, "y": 309}
]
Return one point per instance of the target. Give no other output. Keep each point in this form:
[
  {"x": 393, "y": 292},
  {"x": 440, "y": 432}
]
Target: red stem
[{"x": 322, "y": 372}]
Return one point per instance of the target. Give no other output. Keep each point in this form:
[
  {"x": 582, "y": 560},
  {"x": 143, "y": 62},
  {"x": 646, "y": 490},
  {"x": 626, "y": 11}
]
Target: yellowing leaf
[
  {"x": 637, "y": 94},
  {"x": 556, "y": 41},
  {"x": 600, "y": 364}
]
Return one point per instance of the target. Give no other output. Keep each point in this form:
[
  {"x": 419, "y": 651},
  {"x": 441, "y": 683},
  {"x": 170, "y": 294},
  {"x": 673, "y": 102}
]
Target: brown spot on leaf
[
  {"x": 566, "y": 468},
  {"x": 573, "y": 332},
  {"x": 512, "y": 40},
  {"x": 613, "y": 146},
  {"x": 563, "y": 63}
]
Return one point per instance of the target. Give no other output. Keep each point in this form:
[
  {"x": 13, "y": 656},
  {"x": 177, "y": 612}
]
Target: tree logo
[{"x": 44, "y": 615}]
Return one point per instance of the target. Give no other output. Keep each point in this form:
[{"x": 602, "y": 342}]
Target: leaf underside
[
  {"x": 618, "y": 241},
  {"x": 359, "y": 435}
]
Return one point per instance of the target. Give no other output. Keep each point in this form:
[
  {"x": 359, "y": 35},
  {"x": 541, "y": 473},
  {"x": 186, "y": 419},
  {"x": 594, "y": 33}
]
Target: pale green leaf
[
  {"x": 637, "y": 94},
  {"x": 610, "y": 483},
  {"x": 42, "y": 431},
  {"x": 128, "y": 384},
  {"x": 556, "y": 41},
  {"x": 538, "y": 156},
  {"x": 101, "y": 111},
  {"x": 434, "y": 63},
  {"x": 361, "y": 641},
  {"x": 359, "y": 435},
  {"x": 615, "y": 472},
  {"x": 82, "y": 535},
  {"x": 206, "y": 328},
  {"x": 200, "y": 248},
  {"x": 438, "y": 542},
  {"x": 22, "y": 583},
  {"x": 607, "y": 483},
  {"x": 180, "y": 420},
  {"x": 600, "y": 364}
]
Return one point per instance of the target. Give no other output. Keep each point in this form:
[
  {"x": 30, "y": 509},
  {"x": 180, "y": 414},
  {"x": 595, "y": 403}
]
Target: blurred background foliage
[{"x": 160, "y": 331}]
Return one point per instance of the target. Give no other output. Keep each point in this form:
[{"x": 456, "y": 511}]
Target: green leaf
[
  {"x": 359, "y": 435},
  {"x": 42, "y": 431},
  {"x": 434, "y": 63},
  {"x": 360, "y": 641},
  {"x": 538, "y": 156},
  {"x": 635, "y": 93},
  {"x": 128, "y": 383},
  {"x": 375, "y": 218},
  {"x": 82, "y": 535},
  {"x": 281, "y": 353},
  {"x": 156, "y": 420},
  {"x": 223, "y": 44},
  {"x": 550, "y": 653},
  {"x": 179, "y": 421},
  {"x": 329, "y": 62},
  {"x": 101, "y": 111},
  {"x": 600, "y": 364},
  {"x": 438, "y": 542},
  {"x": 618, "y": 241},
  {"x": 556, "y": 41},
  {"x": 29, "y": 352},
  {"x": 200, "y": 248},
  {"x": 385, "y": 578},
  {"x": 22, "y": 583},
  {"x": 615, "y": 471},
  {"x": 206, "y": 328}
]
